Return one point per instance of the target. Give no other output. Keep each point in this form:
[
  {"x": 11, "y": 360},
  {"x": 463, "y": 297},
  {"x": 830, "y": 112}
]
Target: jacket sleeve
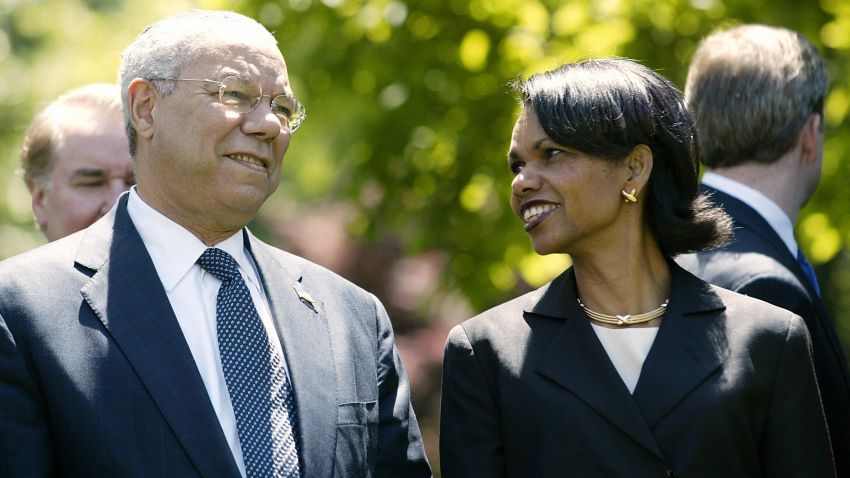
[
  {"x": 26, "y": 449},
  {"x": 795, "y": 440},
  {"x": 470, "y": 430},
  {"x": 400, "y": 448}
]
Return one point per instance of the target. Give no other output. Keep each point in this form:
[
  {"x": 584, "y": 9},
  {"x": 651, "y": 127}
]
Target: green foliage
[{"x": 411, "y": 110}]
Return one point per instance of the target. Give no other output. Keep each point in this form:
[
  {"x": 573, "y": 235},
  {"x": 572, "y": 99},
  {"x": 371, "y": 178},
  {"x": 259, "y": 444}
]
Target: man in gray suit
[
  {"x": 166, "y": 339},
  {"x": 757, "y": 96}
]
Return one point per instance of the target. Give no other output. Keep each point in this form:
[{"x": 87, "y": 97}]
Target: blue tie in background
[
  {"x": 259, "y": 388},
  {"x": 807, "y": 268}
]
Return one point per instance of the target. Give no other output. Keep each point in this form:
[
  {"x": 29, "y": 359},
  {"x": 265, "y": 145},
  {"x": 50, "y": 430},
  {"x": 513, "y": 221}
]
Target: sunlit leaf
[
  {"x": 537, "y": 270},
  {"x": 474, "y": 49}
]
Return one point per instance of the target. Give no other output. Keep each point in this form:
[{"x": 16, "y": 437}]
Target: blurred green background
[{"x": 398, "y": 179}]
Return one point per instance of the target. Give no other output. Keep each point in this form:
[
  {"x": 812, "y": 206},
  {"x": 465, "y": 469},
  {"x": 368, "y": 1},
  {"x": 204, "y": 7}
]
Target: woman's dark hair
[{"x": 606, "y": 107}]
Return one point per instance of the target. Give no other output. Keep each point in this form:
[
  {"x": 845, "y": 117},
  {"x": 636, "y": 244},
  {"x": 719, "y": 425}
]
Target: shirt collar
[
  {"x": 173, "y": 249},
  {"x": 767, "y": 209}
]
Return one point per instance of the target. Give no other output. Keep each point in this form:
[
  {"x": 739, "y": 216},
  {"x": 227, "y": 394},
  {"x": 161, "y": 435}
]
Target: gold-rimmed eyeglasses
[{"x": 243, "y": 96}]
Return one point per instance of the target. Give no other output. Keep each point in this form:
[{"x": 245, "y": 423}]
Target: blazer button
[{"x": 669, "y": 474}]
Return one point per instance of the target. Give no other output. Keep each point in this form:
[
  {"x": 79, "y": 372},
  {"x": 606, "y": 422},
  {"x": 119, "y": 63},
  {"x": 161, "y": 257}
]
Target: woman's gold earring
[{"x": 629, "y": 197}]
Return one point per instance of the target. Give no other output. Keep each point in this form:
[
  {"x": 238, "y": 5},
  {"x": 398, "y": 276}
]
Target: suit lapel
[
  {"x": 126, "y": 294},
  {"x": 748, "y": 218},
  {"x": 578, "y": 362},
  {"x": 686, "y": 350},
  {"x": 305, "y": 336}
]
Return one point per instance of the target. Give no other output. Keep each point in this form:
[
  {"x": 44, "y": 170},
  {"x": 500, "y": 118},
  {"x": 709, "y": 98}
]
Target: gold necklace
[{"x": 626, "y": 319}]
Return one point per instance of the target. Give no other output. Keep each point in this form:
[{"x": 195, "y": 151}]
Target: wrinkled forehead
[
  {"x": 242, "y": 40},
  {"x": 240, "y": 34},
  {"x": 221, "y": 57}
]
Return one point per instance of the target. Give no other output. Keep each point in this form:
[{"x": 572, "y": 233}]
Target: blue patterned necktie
[
  {"x": 807, "y": 269},
  {"x": 258, "y": 386}
]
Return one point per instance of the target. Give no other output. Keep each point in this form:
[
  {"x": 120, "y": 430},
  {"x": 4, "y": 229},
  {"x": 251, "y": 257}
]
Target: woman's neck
[{"x": 625, "y": 282}]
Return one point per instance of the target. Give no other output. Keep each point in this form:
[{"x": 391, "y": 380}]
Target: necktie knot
[{"x": 219, "y": 263}]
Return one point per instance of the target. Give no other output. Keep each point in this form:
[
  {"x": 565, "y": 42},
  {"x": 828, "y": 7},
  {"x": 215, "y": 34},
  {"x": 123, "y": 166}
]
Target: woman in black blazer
[{"x": 625, "y": 365}]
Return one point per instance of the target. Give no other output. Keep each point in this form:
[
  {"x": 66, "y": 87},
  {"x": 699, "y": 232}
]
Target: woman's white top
[{"x": 627, "y": 348}]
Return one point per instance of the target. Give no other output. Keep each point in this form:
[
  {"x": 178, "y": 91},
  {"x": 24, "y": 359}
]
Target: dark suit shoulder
[
  {"x": 45, "y": 270},
  {"x": 501, "y": 320},
  {"x": 755, "y": 328},
  {"x": 763, "y": 315},
  {"x": 735, "y": 270},
  {"x": 755, "y": 262},
  {"x": 756, "y": 275},
  {"x": 502, "y": 336}
]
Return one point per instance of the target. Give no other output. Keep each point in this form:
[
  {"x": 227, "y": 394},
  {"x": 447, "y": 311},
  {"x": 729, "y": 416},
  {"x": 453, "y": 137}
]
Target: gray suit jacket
[
  {"x": 96, "y": 378},
  {"x": 727, "y": 390}
]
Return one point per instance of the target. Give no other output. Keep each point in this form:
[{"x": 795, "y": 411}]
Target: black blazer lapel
[
  {"x": 305, "y": 336},
  {"x": 127, "y": 296},
  {"x": 578, "y": 362},
  {"x": 689, "y": 347}
]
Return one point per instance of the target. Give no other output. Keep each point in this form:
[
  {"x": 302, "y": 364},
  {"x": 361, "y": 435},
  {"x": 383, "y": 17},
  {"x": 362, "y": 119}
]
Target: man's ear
[
  {"x": 38, "y": 191},
  {"x": 810, "y": 138},
  {"x": 639, "y": 163},
  {"x": 142, "y": 103}
]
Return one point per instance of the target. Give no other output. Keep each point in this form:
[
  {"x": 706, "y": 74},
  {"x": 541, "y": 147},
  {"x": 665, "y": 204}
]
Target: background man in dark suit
[
  {"x": 75, "y": 159},
  {"x": 757, "y": 95},
  {"x": 167, "y": 340}
]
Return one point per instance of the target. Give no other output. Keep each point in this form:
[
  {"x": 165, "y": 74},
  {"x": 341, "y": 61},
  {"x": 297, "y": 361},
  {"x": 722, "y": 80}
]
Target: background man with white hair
[{"x": 75, "y": 159}]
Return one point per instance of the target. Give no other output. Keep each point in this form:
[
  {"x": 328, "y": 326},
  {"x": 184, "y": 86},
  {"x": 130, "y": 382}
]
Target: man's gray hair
[
  {"x": 45, "y": 129},
  {"x": 163, "y": 49},
  {"x": 750, "y": 90}
]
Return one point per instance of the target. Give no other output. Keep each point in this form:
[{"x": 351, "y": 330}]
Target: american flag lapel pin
[{"x": 306, "y": 298}]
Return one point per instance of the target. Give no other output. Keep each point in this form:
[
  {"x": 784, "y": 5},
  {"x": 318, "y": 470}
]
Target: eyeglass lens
[{"x": 243, "y": 96}]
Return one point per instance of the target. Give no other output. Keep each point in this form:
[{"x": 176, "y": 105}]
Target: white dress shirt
[
  {"x": 192, "y": 293},
  {"x": 627, "y": 348},
  {"x": 769, "y": 210}
]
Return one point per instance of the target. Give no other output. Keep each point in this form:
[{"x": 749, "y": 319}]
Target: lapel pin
[{"x": 306, "y": 299}]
